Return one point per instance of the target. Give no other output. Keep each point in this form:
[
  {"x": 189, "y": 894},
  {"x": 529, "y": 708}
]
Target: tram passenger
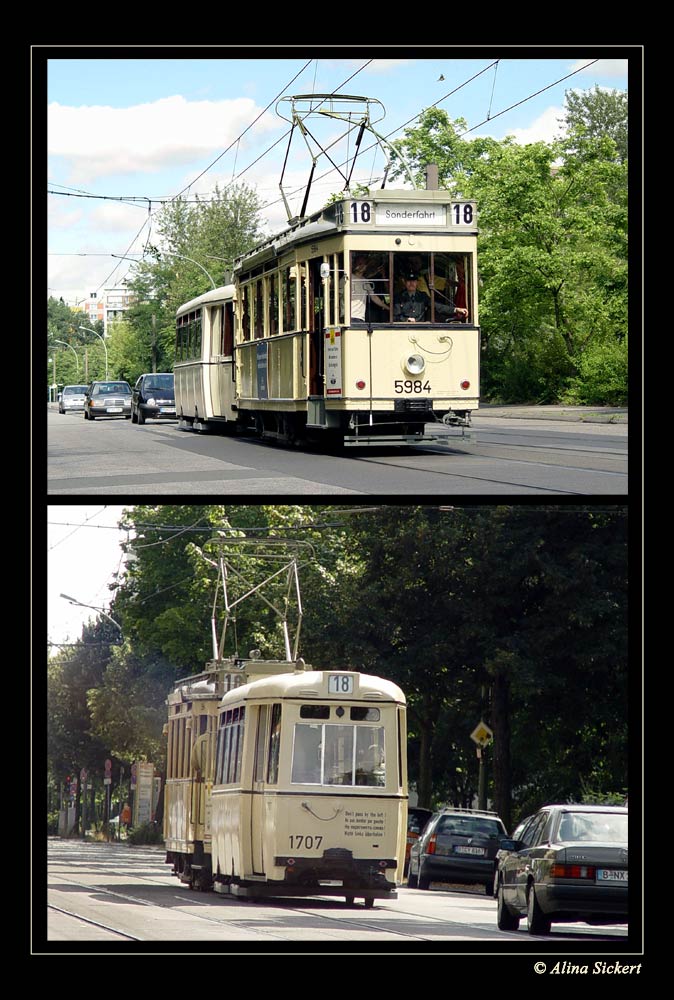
[
  {"x": 362, "y": 291},
  {"x": 411, "y": 305}
]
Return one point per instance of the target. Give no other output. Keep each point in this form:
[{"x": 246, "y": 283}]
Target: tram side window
[
  {"x": 228, "y": 330},
  {"x": 259, "y": 310},
  {"x": 216, "y": 330},
  {"x": 245, "y": 317},
  {"x": 272, "y": 322},
  {"x": 289, "y": 299},
  {"x": 274, "y": 745},
  {"x": 230, "y": 746},
  {"x": 263, "y": 716}
]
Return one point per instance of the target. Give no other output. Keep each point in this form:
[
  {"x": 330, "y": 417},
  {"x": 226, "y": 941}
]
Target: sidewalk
[{"x": 583, "y": 414}]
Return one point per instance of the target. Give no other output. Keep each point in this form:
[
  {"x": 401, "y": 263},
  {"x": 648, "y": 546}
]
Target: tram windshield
[
  {"x": 406, "y": 287},
  {"x": 338, "y": 755}
]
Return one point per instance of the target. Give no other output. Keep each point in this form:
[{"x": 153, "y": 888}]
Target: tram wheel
[{"x": 350, "y": 900}]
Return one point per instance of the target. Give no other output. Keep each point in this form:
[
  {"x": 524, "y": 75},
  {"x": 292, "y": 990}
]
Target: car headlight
[
  {"x": 151, "y": 401},
  {"x": 414, "y": 364}
]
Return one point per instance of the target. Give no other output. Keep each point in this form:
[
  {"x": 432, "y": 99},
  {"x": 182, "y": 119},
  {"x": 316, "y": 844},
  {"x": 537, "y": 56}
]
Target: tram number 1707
[{"x": 309, "y": 843}]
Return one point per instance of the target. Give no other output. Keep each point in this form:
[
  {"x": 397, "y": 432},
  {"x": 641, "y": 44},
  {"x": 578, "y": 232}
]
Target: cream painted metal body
[
  {"x": 203, "y": 370},
  {"x": 305, "y": 792}
]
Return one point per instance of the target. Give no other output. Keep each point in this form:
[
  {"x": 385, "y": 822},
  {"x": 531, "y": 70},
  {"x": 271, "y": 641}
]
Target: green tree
[
  {"x": 192, "y": 242},
  {"x": 595, "y": 114}
]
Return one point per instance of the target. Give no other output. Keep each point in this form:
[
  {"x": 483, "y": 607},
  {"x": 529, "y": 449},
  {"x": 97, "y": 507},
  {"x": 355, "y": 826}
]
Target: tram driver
[{"x": 411, "y": 305}]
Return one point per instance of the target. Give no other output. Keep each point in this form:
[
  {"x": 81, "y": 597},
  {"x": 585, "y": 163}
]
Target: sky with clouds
[{"x": 149, "y": 128}]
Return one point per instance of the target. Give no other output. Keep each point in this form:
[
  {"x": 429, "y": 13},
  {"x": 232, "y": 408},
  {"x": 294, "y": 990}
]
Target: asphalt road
[
  {"x": 540, "y": 451},
  {"x": 126, "y": 896}
]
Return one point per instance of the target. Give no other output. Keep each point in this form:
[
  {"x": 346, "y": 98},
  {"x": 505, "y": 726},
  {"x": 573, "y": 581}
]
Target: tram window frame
[
  {"x": 245, "y": 324},
  {"x": 314, "y": 711},
  {"x": 259, "y": 310},
  {"x": 272, "y": 311},
  {"x": 289, "y": 286},
  {"x": 273, "y": 753},
  {"x": 331, "y": 767},
  {"x": 260, "y": 743},
  {"x": 216, "y": 333}
]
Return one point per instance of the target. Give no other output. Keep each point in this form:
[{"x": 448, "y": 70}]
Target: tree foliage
[{"x": 552, "y": 246}]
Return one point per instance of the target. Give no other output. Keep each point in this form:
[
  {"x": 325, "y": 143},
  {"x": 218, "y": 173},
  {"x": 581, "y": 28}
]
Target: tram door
[
  {"x": 258, "y": 804},
  {"x": 316, "y": 324}
]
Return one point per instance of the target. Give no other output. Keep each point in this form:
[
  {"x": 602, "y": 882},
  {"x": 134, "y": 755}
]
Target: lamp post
[
  {"x": 169, "y": 253},
  {"x": 100, "y": 610},
  {"x": 77, "y": 362},
  {"x": 89, "y": 330}
]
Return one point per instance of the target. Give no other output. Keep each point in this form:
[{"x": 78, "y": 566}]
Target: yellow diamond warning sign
[{"x": 482, "y": 734}]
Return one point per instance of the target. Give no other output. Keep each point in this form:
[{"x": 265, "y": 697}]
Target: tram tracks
[{"x": 235, "y": 927}]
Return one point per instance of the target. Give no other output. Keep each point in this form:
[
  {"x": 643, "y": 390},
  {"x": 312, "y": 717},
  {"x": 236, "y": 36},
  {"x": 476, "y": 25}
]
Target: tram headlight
[{"x": 414, "y": 364}]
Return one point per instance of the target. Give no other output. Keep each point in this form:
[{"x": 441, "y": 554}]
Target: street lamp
[
  {"x": 100, "y": 610},
  {"x": 89, "y": 330},
  {"x": 169, "y": 253},
  {"x": 77, "y": 362}
]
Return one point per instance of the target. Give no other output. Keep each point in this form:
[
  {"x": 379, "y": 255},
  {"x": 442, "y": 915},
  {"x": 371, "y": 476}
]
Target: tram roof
[
  {"x": 214, "y": 295},
  {"x": 306, "y": 684}
]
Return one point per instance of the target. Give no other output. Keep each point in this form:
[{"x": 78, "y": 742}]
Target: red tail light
[
  {"x": 465, "y": 384},
  {"x": 360, "y": 384},
  {"x": 572, "y": 871},
  {"x": 430, "y": 847}
]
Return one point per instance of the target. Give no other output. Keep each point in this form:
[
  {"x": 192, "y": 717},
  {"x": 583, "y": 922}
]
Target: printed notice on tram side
[{"x": 364, "y": 823}]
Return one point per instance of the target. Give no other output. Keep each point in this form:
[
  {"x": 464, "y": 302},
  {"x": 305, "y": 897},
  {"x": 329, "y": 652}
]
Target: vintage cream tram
[
  {"x": 325, "y": 340},
  {"x": 203, "y": 368},
  {"x": 301, "y": 790},
  {"x": 283, "y": 780}
]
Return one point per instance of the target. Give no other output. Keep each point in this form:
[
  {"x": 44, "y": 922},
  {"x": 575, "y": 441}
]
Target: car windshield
[
  {"x": 108, "y": 388},
  {"x": 468, "y": 826},
  {"x": 74, "y": 390},
  {"x": 599, "y": 827},
  {"x": 160, "y": 382}
]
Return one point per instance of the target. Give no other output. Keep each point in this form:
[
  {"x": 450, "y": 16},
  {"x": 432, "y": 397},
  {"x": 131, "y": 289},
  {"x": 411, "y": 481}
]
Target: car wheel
[
  {"x": 489, "y": 889},
  {"x": 134, "y": 417},
  {"x": 505, "y": 920},
  {"x": 423, "y": 882},
  {"x": 539, "y": 923},
  {"x": 412, "y": 881},
  {"x": 140, "y": 415}
]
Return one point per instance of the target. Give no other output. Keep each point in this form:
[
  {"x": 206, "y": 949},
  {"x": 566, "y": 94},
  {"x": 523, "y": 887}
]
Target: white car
[{"x": 71, "y": 397}]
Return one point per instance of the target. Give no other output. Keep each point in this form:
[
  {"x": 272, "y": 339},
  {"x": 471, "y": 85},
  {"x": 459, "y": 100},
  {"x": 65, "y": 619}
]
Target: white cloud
[
  {"x": 603, "y": 67},
  {"x": 545, "y": 128},
  {"x": 100, "y": 141}
]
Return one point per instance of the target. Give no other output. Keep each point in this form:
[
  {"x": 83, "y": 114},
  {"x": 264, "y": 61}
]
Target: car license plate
[
  {"x": 469, "y": 850},
  {"x": 166, "y": 409},
  {"x": 610, "y": 875},
  {"x": 114, "y": 409}
]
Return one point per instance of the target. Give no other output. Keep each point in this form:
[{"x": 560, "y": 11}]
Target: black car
[
  {"x": 154, "y": 397},
  {"x": 107, "y": 399},
  {"x": 568, "y": 863},
  {"x": 457, "y": 845}
]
